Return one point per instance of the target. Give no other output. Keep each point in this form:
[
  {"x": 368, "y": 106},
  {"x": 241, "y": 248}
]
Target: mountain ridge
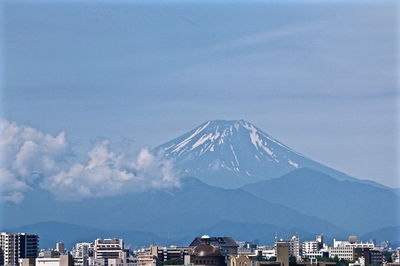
[
  {"x": 350, "y": 204},
  {"x": 198, "y": 204}
]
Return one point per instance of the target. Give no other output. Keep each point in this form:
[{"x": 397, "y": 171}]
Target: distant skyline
[{"x": 321, "y": 78}]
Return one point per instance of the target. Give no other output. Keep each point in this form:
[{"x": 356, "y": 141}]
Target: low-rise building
[
  {"x": 266, "y": 252},
  {"x": 206, "y": 254},
  {"x": 226, "y": 245},
  {"x": 345, "y": 249},
  {"x": 27, "y": 262},
  {"x": 172, "y": 253},
  {"x": 62, "y": 260}
]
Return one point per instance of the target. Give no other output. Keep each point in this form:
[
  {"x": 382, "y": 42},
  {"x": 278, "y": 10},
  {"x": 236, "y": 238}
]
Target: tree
[
  {"x": 387, "y": 256},
  {"x": 292, "y": 260}
]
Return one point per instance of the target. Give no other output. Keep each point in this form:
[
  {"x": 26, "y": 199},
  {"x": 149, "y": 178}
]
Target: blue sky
[{"x": 322, "y": 78}]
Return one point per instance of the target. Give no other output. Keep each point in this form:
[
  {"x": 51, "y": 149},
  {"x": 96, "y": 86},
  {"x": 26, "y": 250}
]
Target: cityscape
[
  {"x": 199, "y": 133},
  {"x": 23, "y": 249}
]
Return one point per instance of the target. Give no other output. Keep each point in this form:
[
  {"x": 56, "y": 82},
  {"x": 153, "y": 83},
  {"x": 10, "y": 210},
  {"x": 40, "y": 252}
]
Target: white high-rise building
[
  {"x": 81, "y": 253},
  {"x": 295, "y": 247},
  {"x": 9, "y": 248}
]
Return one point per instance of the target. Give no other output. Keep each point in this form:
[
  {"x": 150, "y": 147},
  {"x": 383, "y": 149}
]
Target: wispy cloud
[{"x": 263, "y": 37}]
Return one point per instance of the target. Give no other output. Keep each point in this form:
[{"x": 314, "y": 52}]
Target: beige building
[
  {"x": 282, "y": 252},
  {"x": 106, "y": 249},
  {"x": 63, "y": 260},
  {"x": 242, "y": 260},
  {"x": 27, "y": 262}
]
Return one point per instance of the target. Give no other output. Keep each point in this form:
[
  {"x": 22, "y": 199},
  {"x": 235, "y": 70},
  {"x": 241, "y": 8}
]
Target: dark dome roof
[{"x": 206, "y": 250}]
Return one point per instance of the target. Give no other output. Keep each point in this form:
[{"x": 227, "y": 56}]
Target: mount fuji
[{"x": 232, "y": 153}]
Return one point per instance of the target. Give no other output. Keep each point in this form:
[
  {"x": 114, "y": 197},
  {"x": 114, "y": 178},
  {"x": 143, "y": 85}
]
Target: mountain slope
[
  {"x": 391, "y": 234},
  {"x": 234, "y": 153},
  {"x": 353, "y": 205},
  {"x": 171, "y": 214},
  {"x": 52, "y": 232},
  {"x": 256, "y": 231}
]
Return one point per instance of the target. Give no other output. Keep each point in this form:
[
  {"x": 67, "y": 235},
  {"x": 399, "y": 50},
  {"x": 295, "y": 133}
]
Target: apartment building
[
  {"x": 81, "y": 253},
  {"x": 17, "y": 246},
  {"x": 105, "y": 249}
]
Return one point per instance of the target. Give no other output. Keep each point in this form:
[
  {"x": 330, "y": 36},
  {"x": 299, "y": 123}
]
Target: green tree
[
  {"x": 387, "y": 256},
  {"x": 292, "y": 260}
]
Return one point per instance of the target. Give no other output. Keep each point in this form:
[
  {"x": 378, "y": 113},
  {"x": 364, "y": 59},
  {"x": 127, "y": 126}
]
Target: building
[
  {"x": 28, "y": 245},
  {"x": 370, "y": 256},
  {"x": 363, "y": 253},
  {"x": 295, "y": 248},
  {"x": 17, "y": 246},
  {"x": 49, "y": 253},
  {"x": 320, "y": 241},
  {"x": 209, "y": 251},
  {"x": 172, "y": 253},
  {"x": 144, "y": 258},
  {"x": 60, "y": 247},
  {"x": 27, "y": 262},
  {"x": 266, "y": 252},
  {"x": 282, "y": 252},
  {"x": 81, "y": 253},
  {"x": 122, "y": 262},
  {"x": 246, "y": 247},
  {"x": 267, "y": 263},
  {"x": 9, "y": 249},
  {"x": 359, "y": 262},
  {"x": 344, "y": 249},
  {"x": 241, "y": 260},
  {"x": 62, "y": 260},
  {"x": 376, "y": 256},
  {"x": 310, "y": 247},
  {"x": 226, "y": 245},
  {"x": 105, "y": 249},
  {"x": 314, "y": 249}
]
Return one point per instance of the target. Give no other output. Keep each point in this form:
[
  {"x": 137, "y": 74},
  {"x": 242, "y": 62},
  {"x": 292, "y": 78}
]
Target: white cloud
[
  {"x": 107, "y": 174},
  {"x": 29, "y": 156},
  {"x": 12, "y": 188}
]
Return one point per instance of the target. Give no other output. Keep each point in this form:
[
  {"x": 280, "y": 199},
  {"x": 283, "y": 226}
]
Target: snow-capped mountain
[{"x": 233, "y": 153}]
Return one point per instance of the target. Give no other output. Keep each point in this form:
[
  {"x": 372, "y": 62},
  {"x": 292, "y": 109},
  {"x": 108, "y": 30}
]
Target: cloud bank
[{"x": 31, "y": 159}]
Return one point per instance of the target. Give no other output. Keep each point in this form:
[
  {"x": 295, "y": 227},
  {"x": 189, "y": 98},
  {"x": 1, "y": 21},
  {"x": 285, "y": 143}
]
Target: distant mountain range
[
  {"x": 391, "y": 234},
  {"x": 172, "y": 214},
  {"x": 355, "y": 206},
  {"x": 237, "y": 181},
  {"x": 52, "y": 232}
]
